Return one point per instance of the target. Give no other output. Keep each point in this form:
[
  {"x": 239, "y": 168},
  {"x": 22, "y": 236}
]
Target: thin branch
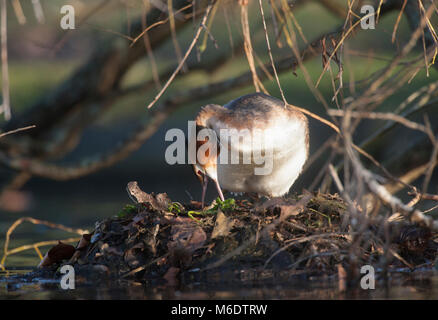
[
  {"x": 19, "y": 11},
  {"x": 248, "y": 47},
  {"x": 381, "y": 116},
  {"x": 398, "y": 20},
  {"x": 11, "y": 229},
  {"x": 173, "y": 34},
  {"x": 38, "y": 11},
  {"x": 156, "y": 24},
  {"x": 16, "y": 130},
  {"x": 6, "y": 103},
  {"x": 180, "y": 65},
  {"x": 379, "y": 190},
  {"x": 270, "y": 53}
]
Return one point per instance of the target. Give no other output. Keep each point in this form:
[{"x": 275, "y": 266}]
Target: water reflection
[{"x": 417, "y": 285}]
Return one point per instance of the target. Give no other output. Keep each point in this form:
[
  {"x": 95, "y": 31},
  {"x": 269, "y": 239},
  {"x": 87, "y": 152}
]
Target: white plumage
[{"x": 274, "y": 142}]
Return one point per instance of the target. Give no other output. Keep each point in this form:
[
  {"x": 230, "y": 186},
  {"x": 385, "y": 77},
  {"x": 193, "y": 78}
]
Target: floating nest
[{"x": 158, "y": 239}]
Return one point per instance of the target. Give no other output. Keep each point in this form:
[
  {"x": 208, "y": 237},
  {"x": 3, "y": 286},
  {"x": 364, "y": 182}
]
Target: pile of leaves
[{"x": 159, "y": 239}]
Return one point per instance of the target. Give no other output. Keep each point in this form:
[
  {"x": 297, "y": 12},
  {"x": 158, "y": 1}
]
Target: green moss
[{"x": 127, "y": 210}]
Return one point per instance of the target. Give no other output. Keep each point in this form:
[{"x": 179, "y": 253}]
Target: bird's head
[{"x": 207, "y": 151}]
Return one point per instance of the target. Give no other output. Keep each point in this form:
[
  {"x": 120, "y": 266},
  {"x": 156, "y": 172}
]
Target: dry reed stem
[
  {"x": 294, "y": 46},
  {"x": 150, "y": 52},
  {"x": 49, "y": 224},
  {"x": 156, "y": 24},
  {"x": 203, "y": 45},
  {"x": 249, "y": 49},
  {"x": 18, "y": 9},
  {"x": 397, "y": 22},
  {"x": 38, "y": 11},
  {"x": 36, "y": 247},
  {"x": 270, "y": 53},
  {"x": 381, "y": 116},
  {"x": 379, "y": 190},
  {"x": 301, "y": 240},
  {"x": 173, "y": 35},
  {"x": 338, "y": 45},
  {"x": 16, "y": 130},
  {"x": 6, "y": 103},
  {"x": 180, "y": 65}
]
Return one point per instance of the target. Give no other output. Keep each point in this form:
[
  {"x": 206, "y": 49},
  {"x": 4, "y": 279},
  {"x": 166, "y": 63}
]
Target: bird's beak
[
  {"x": 219, "y": 190},
  {"x": 203, "y": 178},
  {"x": 204, "y": 189}
]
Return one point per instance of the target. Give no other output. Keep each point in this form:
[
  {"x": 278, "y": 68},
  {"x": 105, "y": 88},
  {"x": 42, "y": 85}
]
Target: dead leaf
[
  {"x": 80, "y": 247},
  {"x": 162, "y": 201},
  {"x": 84, "y": 242},
  {"x": 289, "y": 210},
  {"x": 280, "y": 205},
  {"x": 57, "y": 254},
  {"x": 222, "y": 226},
  {"x": 133, "y": 255},
  {"x": 186, "y": 237}
]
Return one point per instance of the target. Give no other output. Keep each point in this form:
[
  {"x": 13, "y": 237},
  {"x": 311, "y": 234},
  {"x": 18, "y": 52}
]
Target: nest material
[{"x": 158, "y": 238}]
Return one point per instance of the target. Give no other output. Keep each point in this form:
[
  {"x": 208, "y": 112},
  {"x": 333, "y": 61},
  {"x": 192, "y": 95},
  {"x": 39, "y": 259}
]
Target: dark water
[{"x": 417, "y": 285}]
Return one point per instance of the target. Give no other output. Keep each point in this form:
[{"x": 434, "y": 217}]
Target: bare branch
[{"x": 6, "y": 103}]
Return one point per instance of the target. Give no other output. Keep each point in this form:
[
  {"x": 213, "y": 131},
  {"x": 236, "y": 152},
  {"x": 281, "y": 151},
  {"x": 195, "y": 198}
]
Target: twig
[
  {"x": 381, "y": 192},
  {"x": 34, "y": 221},
  {"x": 141, "y": 268},
  {"x": 335, "y": 177},
  {"x": 344, "y": 36},
  {"x": 266, "y": 230},
  {"x": 189, "y": 50},
  {"x": 314, "y": 255},
  {"x": 16, "y": 130},
  {"x": 248, "y": 47},
  {"x": 333, "y": 7},
  {"x": 381, "y": 116},
  {"x": 147, "y": 44},
  {"x": 270, "y": 52},
  {"x": 398, "y": 20},
  {"x": 36, "y": 247},
  {"x": 425, "y": 196},
  {"x": 6, "y": 104},
  {"x": 173, "y": 34},
  {"x": 301, "y": 240},
  {"x": 19, "y": 11},
  {"x": 156, "y": 24},
  {"x": 38, "y": 10}
]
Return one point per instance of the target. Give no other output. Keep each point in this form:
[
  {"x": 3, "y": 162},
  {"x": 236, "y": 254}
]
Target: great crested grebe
[{"x": 272, "y": 137}]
